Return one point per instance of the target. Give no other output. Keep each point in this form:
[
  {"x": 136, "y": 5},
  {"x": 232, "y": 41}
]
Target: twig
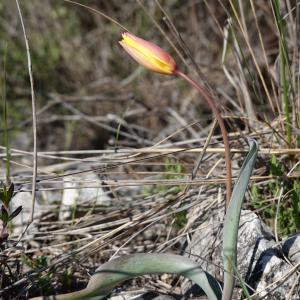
[
  {"x": 150, "y": 150},
  {"x": 180, "y": 40},
  {"x": 99, "y": 12},
  {"x": 163, "y": 33},
  {"x": 34, "y": 121},
  {"x": 200, "y": 158},
  {"x": 277, "y": 212}
]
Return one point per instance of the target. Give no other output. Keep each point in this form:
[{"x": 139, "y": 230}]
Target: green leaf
[
  {"x": 276, "y": 168},
  {"x": 15, "y": 213},
  {"x": 4, "y": 215},
  {"x": 296, "y": 204},
  {"x": 10, "y": 192},
  {"x": 231, "y": 223},
  {"x": 6, "y": 194},
  {"x": 114, "y": 272}
]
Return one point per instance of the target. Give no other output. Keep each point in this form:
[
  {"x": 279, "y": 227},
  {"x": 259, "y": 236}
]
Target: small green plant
[
  {"x": 51, "y": 279},
  {"x": 66, "y": 278},
  {"x": 181, "y": 218},
  {"x": 289, "y": 217},
  {"x": 36, "y": 264},
  {"x": 6, "y": 193},
  {"x": 171, "y": 171}
]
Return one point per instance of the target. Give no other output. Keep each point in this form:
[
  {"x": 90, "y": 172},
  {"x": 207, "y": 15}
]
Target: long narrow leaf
[
  {"x": 231, "y": 223},
  {"x": 114, "y": 272}
]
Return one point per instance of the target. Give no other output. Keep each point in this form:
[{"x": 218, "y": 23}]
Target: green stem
[
  {"x": 285, "y": 72},
  {"x": 286, "y": 100},
  {"x": 202, "y": 91},
  {"x": 5, "y": 115}
]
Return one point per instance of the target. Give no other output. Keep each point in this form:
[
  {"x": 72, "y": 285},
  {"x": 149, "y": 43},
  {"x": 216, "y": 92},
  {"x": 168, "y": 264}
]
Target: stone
[
  {"x": 260, "y": 262},
  {"x": 273, "y": 277},
  {"x": 291, "y": 249},
  {"x": 206, "y": 246},
  {"x": 79, "y": 190},
  {"x": 23, "y": 199},
  {"x": 145, "y": 296}
]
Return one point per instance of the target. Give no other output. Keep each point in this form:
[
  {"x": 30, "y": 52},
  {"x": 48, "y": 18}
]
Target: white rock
[
  {"x": 23, "y": 199},
  {"x": 76, "y": 192}
]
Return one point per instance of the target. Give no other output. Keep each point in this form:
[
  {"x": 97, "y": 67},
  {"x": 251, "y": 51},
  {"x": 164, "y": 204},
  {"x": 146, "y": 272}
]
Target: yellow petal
[{"x": 148, "y": 54}]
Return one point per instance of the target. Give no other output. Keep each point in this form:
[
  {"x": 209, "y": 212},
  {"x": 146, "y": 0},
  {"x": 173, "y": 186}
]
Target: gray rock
[
  {"x": 81, "y": 190},
  {"x": 145, "y": 296},
  {"x": 23, "y": 199},
  {"x": 206, "y": 246},
  {"x": 291, "y": 249},
  {"x": 273, "y": 277},
  {"x": 260, "y": 262}
]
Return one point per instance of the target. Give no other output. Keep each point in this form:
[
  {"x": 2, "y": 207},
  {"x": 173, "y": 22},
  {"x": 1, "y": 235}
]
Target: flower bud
[{"x": 148, "y": 54}]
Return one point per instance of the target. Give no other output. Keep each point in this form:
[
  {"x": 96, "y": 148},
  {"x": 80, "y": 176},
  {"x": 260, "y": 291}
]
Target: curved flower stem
[{"x": 202, "y": 91}]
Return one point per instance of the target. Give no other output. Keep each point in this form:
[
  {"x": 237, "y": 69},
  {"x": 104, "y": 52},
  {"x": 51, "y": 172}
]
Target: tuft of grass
[
  {"x": 172, "y": 170},
  {"x": 36, "y": 264},
  {"x": 285, "y": 71},
  {"x": 181, "y": 219},
  {"x": 288, "y": 218}
]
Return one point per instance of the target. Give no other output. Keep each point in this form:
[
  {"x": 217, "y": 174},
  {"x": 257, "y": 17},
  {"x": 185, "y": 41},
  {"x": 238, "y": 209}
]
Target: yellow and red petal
[{"x": 148, "y": 54}]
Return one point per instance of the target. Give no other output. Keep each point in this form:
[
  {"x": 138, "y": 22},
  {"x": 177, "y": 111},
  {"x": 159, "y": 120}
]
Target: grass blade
[
  {"x": 285, "y": 68},
  {"x": 5, "y": 117}
]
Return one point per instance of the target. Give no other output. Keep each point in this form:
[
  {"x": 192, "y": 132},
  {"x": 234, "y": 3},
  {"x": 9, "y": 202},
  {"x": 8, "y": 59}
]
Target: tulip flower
[
  {"x": 158, "y": 60},
  {"x": 148, "y": 54}
]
